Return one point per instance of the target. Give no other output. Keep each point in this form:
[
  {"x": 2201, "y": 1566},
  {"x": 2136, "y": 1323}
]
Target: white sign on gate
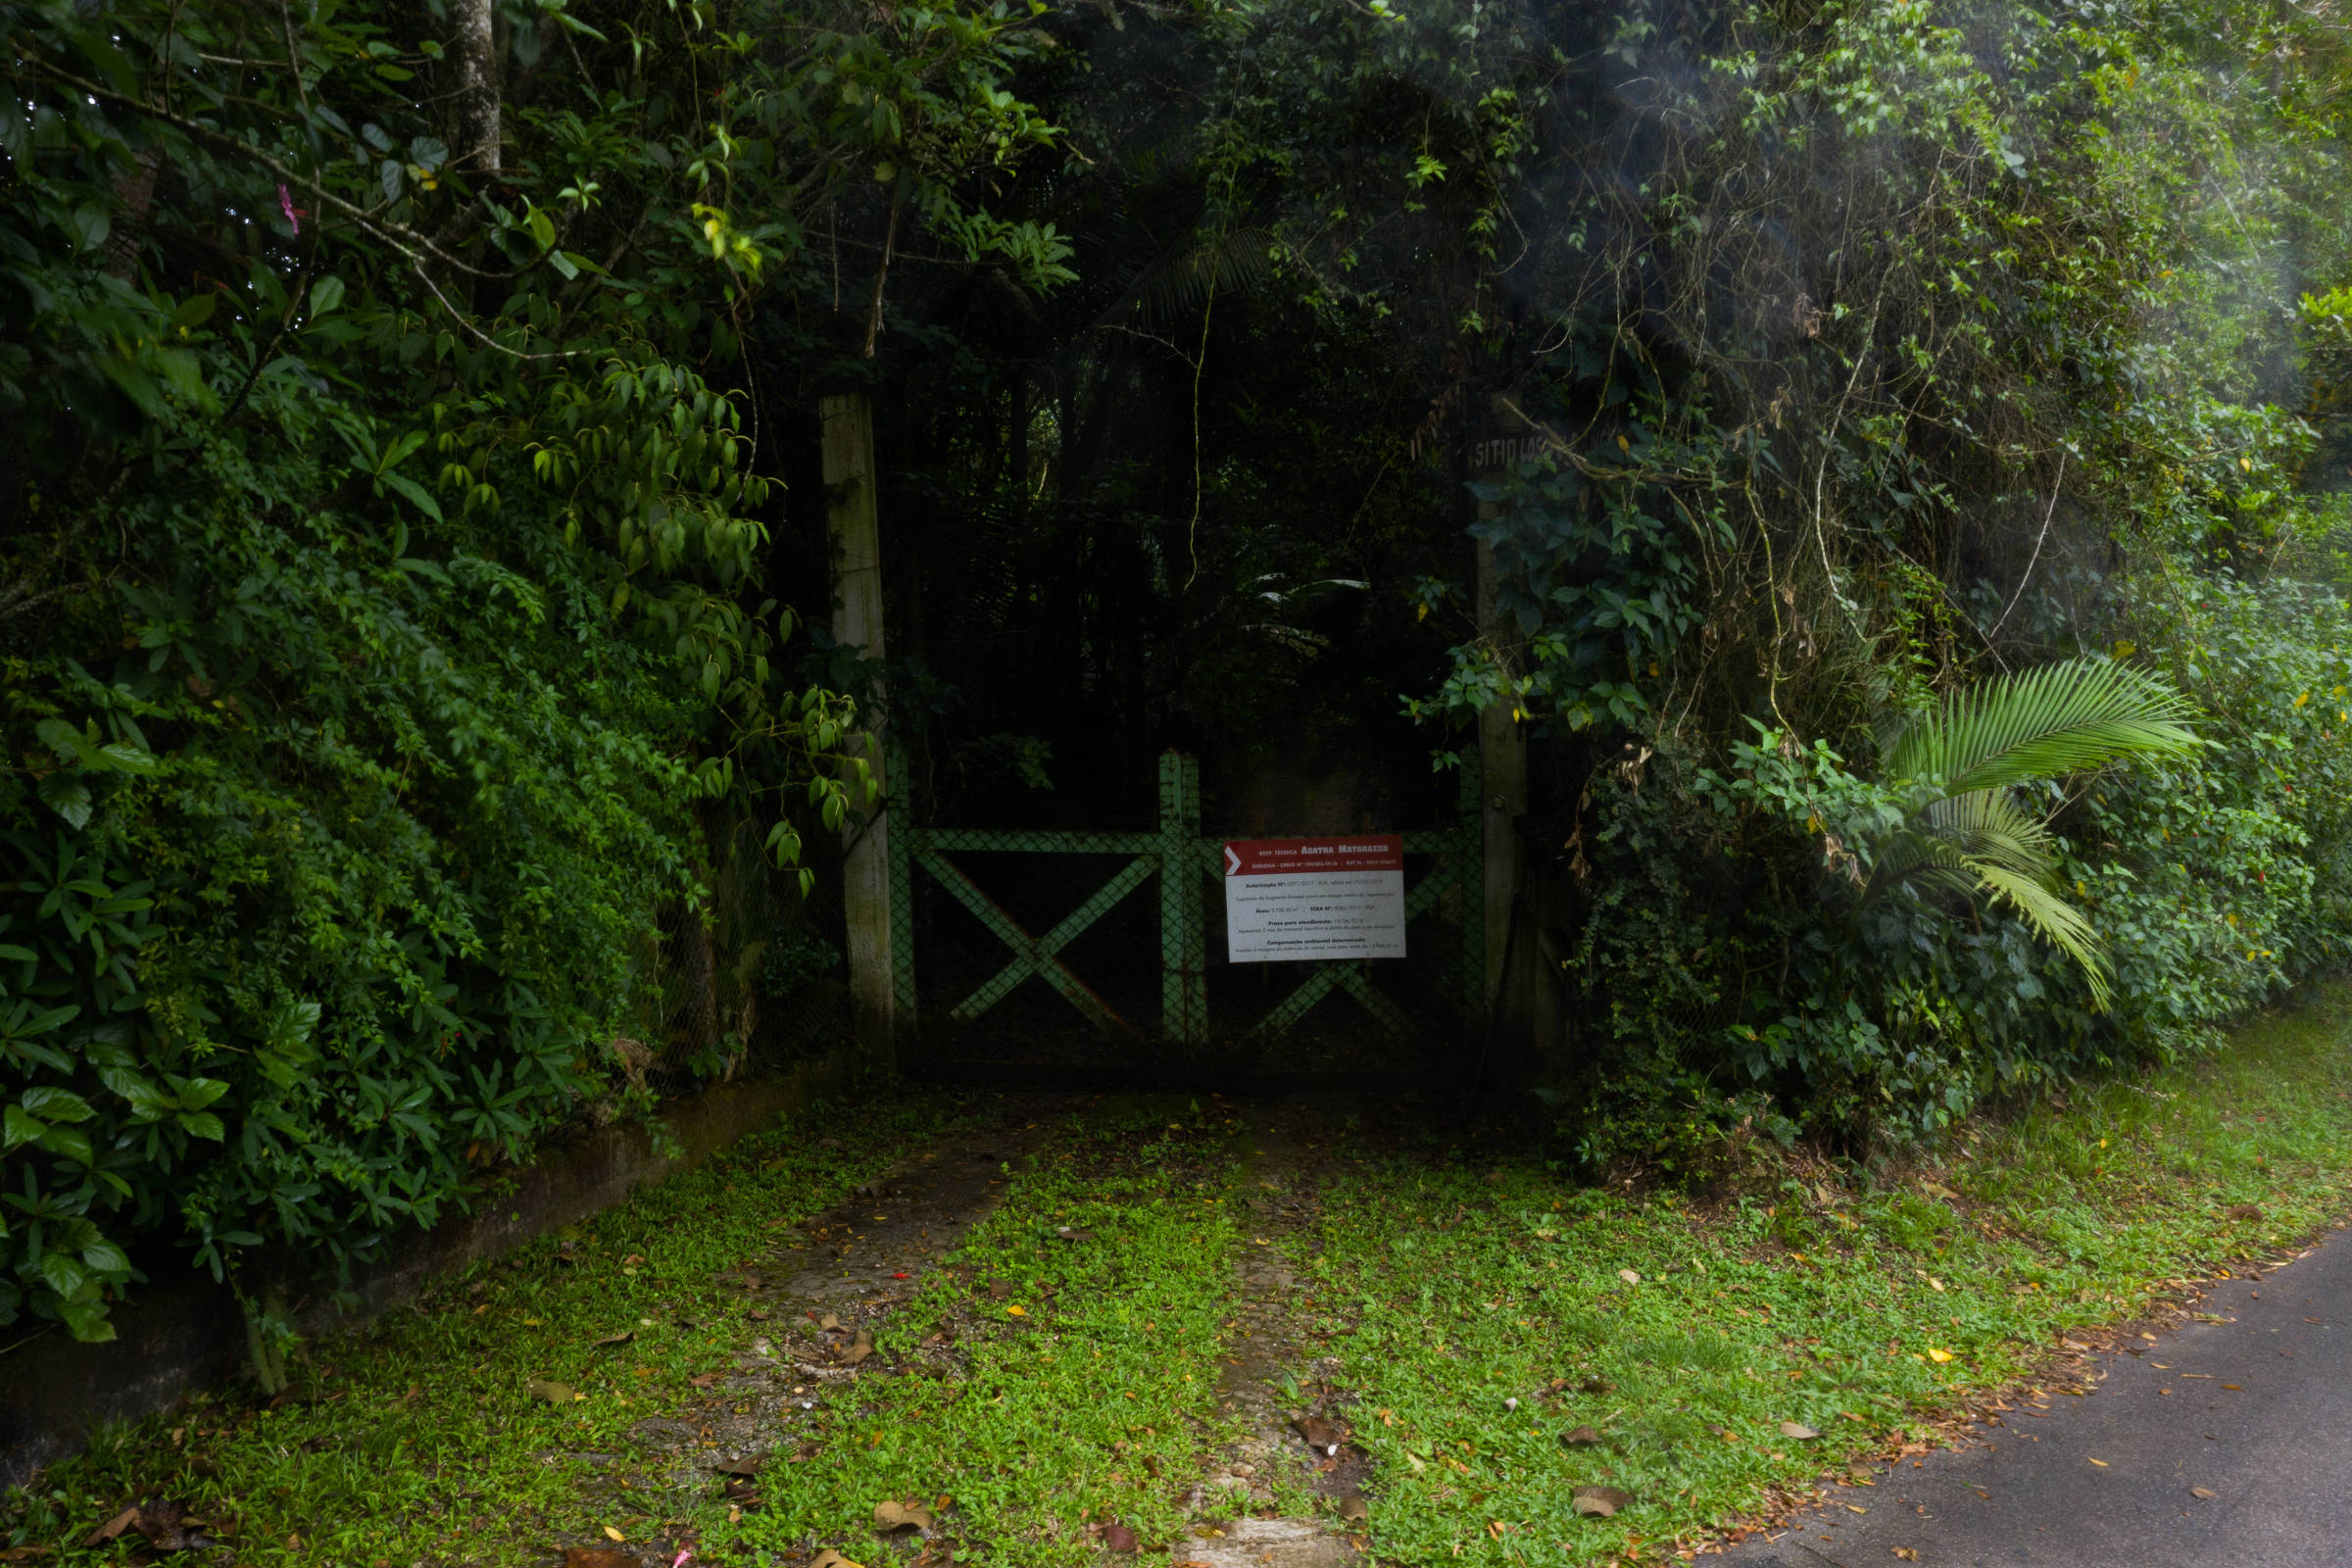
[{"x": 1291, "y": 898}]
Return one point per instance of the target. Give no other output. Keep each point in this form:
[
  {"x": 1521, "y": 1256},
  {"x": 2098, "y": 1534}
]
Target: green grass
[
  {"x": 1446, "y": 1287},
  {"x": 1102, "y": 1359},
  {"x": 1831, "y": 1307},
  {"x": 418, "y": 1438}
]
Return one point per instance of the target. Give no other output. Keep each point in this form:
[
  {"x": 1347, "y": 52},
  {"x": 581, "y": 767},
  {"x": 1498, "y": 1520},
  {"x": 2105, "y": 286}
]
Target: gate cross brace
[
  {"x": 1347, "y": 976},
  {"x": 1034, "y": 955}
]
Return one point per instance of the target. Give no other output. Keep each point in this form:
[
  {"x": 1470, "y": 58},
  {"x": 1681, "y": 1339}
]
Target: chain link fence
[{"x": 1030, "y": 948}]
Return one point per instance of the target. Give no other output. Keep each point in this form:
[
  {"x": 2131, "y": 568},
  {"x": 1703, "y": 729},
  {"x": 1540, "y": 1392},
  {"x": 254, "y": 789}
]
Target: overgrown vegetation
[{"x": 413, "y": 510}]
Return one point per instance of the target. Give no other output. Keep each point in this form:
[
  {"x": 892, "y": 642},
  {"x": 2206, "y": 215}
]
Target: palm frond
[
  {"x": 1986, "y": 841},
  {"x": 1991, "y": 825},
  {"x": 2061, "y": 718},
  {"x": 2059, "y": 922},
  {"x": 1176, "y": 286}
]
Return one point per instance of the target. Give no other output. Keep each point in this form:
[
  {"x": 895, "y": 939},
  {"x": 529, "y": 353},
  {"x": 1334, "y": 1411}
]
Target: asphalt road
[{"x": 2256, "y": 1410}]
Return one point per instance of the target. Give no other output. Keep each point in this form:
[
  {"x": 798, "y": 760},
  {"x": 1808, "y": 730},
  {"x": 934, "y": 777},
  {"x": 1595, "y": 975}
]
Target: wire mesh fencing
[{"x": 1048, "y": 951}]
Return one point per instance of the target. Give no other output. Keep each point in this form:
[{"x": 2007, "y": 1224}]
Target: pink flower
[{"x": 285, "y": 203}]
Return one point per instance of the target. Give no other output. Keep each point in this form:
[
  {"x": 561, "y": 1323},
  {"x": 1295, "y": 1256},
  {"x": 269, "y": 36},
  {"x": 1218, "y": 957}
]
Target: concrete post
[
  {"x": 1502, "y": 770},
  {"x": 855, "y": 524}
]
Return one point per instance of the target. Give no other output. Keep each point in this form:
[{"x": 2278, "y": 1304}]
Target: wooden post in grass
[{"x": 854, "y": 519}]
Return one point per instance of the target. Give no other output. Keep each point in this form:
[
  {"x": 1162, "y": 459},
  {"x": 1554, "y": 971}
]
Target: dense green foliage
[
  {"x": 384, "y": 576},
  {"x": 412, "y": 510}
]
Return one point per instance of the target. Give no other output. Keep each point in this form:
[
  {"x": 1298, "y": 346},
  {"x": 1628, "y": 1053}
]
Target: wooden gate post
[{"x": 853, "y": 520}]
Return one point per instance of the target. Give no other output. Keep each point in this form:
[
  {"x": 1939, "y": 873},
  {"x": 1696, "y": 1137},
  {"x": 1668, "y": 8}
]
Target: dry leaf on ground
[
  {"x": 553, "y": 1393},
  {"x": 623, "y": 1337},
  {"x": 598, "y": 1557},
  {"x": 1599, "y": 1502},
  {"x": 834, "y": 1559},
  {"x": 1354, "y": 1509},
  {"x": 1799, "y": 1430},
  {"x": 2203, "y": 1491},
  {"x": 1577, "y": 1437},
  {"x": 1118, "y": 1538},
  {"x": 894, "y": 1515},
  {"x": 112, "y": 1528},
  {"x": 859, "y": 1350}
]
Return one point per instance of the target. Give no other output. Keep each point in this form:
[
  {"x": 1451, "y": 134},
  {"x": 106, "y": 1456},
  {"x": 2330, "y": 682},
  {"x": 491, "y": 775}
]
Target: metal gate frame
[{"x": 1176, "y": 844}]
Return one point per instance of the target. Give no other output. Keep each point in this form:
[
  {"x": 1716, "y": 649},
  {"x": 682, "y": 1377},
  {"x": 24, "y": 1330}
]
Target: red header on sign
[{"x": 1296, "y": 856}]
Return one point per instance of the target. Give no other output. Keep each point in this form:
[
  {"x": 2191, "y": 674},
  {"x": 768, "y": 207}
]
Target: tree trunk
[{"x": 478, "y": 86}]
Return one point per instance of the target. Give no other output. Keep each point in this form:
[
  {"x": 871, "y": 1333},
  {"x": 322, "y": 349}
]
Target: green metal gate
[{"x": 1446, "y": 990}]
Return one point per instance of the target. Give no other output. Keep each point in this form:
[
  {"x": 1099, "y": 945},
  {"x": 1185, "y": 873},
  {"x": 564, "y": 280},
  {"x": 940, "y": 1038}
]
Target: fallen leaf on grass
[
  {"x": 2207, "y": 1493},
  {"x": 703, "y": 1379},
  {"x": 623, "y": 1337},
  {"x": 1016, "y": 1311},
  {"x": 747, "y": 1465},
  {"x": 894, "y": 1515},
  {"x": 1599, "y": 1502},
  {"x": 1151, "y": 1466},
  {"x": 833, "y": 1559},
  {"x": 1069, "y": 1232},
  {"x": 1628, "y": 1276},
  {"x": 1576, "y": 1436},
  {"x": 614, "y": 1534},
  {"x": 112, "y": 1528},
  {"x": 552, "y": 1392},
  {"x": 857, "y": 1349},
  {"x": 1799, "y": 1430},
  {"x": 1939, "y": 1357},
  {"x": 1354, "y": 1509},
  {"x": 1118, "y": 1538},
  {"x": 998, "y": 1290},
  {"x": 598, "y": 1557}
]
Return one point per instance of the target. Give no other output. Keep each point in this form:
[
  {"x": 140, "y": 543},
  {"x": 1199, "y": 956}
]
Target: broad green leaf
[
  {"x": 417, "y": 496},
  {"x": 56, "y": 1104},
  {"x": 19, "y": 1126}
]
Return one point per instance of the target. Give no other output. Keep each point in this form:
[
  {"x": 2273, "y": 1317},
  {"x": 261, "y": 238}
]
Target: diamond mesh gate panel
[{"x": 1046, "y": 951}]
